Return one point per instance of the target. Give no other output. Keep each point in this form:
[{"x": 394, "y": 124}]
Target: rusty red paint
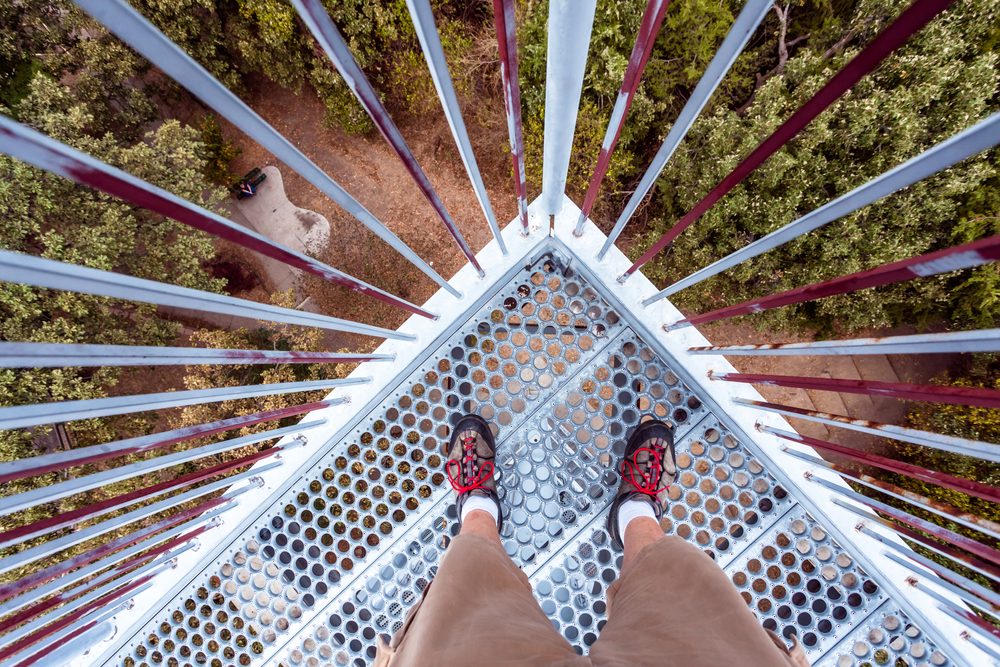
[
  {"x": 56, "y": 645},
  {"x": 170, "y": 438},
  {"x": 96, "y": 509},
  {"x": 29, "y": 581},
  {"x": 986, "y": 398},
  {"x": 356, "y": 79},
  {"x": 910, "y": 21},
  {"x": 964, "y": 256},
  {"x": 151, "y": 198},
  {"x": 503, "y": 20},
  {"x": 972, "y": 546},
  {"x": 973, "y": 488},
  {"x": 949, "y": 551},
  {"x": 652, "y": 19},
  {"x": 52, "y": 628}
]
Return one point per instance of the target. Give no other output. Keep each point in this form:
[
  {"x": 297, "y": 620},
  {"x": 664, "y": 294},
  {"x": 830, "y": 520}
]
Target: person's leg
[
  {"x": 671, "y": 604},
  {"x": 479, "y": 609}
]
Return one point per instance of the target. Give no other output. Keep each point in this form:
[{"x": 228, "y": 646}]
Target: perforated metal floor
[{"x": 562, "y": 378}]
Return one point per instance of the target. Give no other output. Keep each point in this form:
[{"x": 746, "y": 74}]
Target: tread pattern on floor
[{"x": 345, "y": 553}]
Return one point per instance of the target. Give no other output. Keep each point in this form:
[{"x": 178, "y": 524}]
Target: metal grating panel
[{"x": 345, "y": 554}]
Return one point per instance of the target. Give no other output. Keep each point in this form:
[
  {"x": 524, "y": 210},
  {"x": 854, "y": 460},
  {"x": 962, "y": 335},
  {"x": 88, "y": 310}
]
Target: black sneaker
[
  {"x": 470, "y": 463},
  {"x": 648, "y": 469}
]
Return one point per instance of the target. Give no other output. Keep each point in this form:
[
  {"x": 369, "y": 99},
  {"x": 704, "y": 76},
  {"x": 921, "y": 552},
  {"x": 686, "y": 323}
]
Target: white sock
[
  {"x": 631, "y": 509},
  {"x": 480, "y": 503}
]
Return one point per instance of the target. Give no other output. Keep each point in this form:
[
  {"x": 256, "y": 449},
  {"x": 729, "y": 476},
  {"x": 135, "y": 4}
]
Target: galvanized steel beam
[
  {"x": 933, "y": 393},
  {"x": 965, "y": 256},
  {"x": 652, "y": 19},
  {"x": 22, "y": 416},
  {"x": 746, "y": 23},
  {"x": 133, "y": 29},
  {"x": 945, "y": 443},
  {"x": 38, "y": 465},
  {"x": 39, "y": 272},
  {"x": 326, "y": 33},
  {"x": 504, "y": 22},
  {"x": 915, "y": 17},
  {"x": 51, "y": 355},
  {"x": 570, "y": 24},
  {"x": 964, "y": 588},
  {"x": 960, "y": 484},
  {"x": 430, "y": 42},
  {"x": 45, "y": 153},
  {"x": 963, "y": 145},
  {"x": 984, "y": 340}
]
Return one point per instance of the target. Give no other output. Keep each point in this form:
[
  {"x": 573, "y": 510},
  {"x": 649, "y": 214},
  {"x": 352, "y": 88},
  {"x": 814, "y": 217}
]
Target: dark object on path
[{"x": 247, "y": 187}]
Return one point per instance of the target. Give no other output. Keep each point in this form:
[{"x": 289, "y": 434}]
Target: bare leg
[
  {"x": 482, "y": 523},
  {"x": 639, "y": 533}
]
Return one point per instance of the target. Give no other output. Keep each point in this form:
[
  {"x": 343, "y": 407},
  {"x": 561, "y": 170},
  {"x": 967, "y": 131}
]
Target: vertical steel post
[
  {"x": 430, "y": 42},
  {"x": 504, "y": 22},
  {"x": 322, "y": 28},
  {"x": 570, "y": 23},
  {"x": 750, "y": 17},
  {"x": 652, "y": 18}
]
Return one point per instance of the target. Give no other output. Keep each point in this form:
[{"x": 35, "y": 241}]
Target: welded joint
[
  {"x": 622, "y": 278},
  {"x": 673, "y": 326},
  {"x": 912, "y": 581},
  {"x": 256, "y": 479}
]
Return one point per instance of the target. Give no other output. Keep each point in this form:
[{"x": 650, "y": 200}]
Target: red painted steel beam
[
  {"x": 503, "y": 20},
  {"x": 984, "y": 398},
  {"x": 52, "y": 628},
  {"x": 78, "y": 457},
  {"x": 37, "y": 578},
  {"x": 964, "y": 256},
  {"x": 968, "y": 486},
  {"x": 326, "y": 33},
  {"x": 652, "y": 19},
  {"x": 93, "y": 510},
  {"x": 67, "y": 162},
  {"x": 910, "y": 21}
]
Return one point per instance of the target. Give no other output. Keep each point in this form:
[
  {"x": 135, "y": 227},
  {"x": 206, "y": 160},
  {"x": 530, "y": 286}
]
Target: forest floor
[{"x": 366, "y": 167}]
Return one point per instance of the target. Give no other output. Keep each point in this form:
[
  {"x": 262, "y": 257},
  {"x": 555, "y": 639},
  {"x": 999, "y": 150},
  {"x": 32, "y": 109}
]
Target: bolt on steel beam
[
  {"x": 113, "y": 576},
  {"x": 984, "y": 398},
  {"x": 38, "y": 272},
  {"x": 946, "y": 443},
  {"x": 504, "y": 22},
  {"x": 329, "y": 38},
  {"x": 948, "y": 512},
  {"x": 46, "y": 153},
  {"x": 945, "y": 579},
  {"x": 51, "y": 355},
  {"x": 960, "y": 557},
  {"x": 652, "y": 19},
  {"x": 915, "y": 17},
  {"x": 430, "y": 43},
  {"x": 133, "y": 29},
  {"x": 943, "y": 534},
  {"x": 22, "y": 416},
  {"x": 51, "y": 547},
  {"x": 44, "y": 583},
  {"x": 570, "y": 25},
  {"x": 55, "y": 628},
  {"x": 38, "y": 465},
  {"x": 963, "y": 145},
  {"x": 88, "y": 512},
  {"x": 960, "y": 484},
  {"x": 24, "y": 625},
  {"x": 965, "y": 256},
  {"x": 984, "y": 340},
  {"x": 945, "y": 573},
  {"x": 746, "y": 23}
]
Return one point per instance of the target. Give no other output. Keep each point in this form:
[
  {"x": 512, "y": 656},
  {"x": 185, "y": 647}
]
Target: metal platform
[{"x": 341, "y": 556}]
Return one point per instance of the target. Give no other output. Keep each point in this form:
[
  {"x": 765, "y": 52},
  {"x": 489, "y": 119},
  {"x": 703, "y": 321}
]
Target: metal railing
[{"x": 52, "y": 604}]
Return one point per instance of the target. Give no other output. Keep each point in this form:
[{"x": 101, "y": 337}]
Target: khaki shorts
[{"x": 672, "y": 606}]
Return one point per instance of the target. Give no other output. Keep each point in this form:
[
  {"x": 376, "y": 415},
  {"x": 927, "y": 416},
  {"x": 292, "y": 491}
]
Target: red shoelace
[
  {"x": 651, "y": 478},
  {"x": 472, "y": 472}
]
